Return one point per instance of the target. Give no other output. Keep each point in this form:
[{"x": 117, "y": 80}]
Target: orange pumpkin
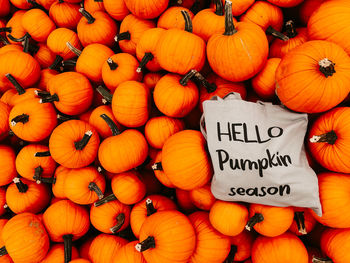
[
  {"x": 150, "y": 79},
  {"x": 65, "y": 14},
  {"x": 44, "y": 55},
  {"x": 286, "y": 3},
  {"x": 92, "y": 6},
  {"x": 7, "y": 165},
  {"x": 303, "y": 222},
  {"x": 2, "y": 204},
  {"x": 58, "y": 181},
  {"x": 45, "y": 76},
  {"x": 4, "y": 124},
  {"x": 159, "y": 172},
  {"x": 240, "y": 6},
  {"x": 56, "y": 254},
  {"x": 335, "y": 244},
  {"x": 202, "y": 197},
  {"x": 4, "y": 258},
  {"x": 5, "y": 8},
  {"x": 146, "y": 9},
  {"x": 116, "y": 9},
  {"x": 241, "y": 246},
  {"x": 307, "y": 8},
  {"x": 172, "y": 18},
  {"x": 184, "y": 201},
  {"x": 128, "y": 254},
  {"x": 15, "y": 23},
  {"x": 19, "y": 94}
]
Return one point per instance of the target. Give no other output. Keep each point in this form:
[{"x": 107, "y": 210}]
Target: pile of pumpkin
[{"x": 101, "y": 157}]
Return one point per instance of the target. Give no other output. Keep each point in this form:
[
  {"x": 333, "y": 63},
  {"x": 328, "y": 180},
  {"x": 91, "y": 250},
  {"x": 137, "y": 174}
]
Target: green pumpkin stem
[
  {"x": 22, "y": 187},
  {"x": 42, "y": 154},
  {"x": 107, "y": 96},
  {"x": 122, "y": 36},
  {"x": 219, "y": 8},
  {"x": 157, "y": 167},
  {"x": 105, "y": 200},
  {"x": 231, "y": 256},
  {"x": 229, "y": 26},
  {"x": 112, "y": 65},
  {"x": 58, "y": 60},
  {"x": 73, "y": 49},
  {"x": 273, "y": 32},
  {"x": 21, "y": 39},
  {"x": 87, "y": 15},
  {"x": 14, "y": 82},
  {"x": 4, "y": 40},
  {"x": 257, "y": 218},
  {"x": 210, "y": 87},
  {"x": 93, "y": 187},
  {"x": 67, "y": 243},
  {"x": 187, "y": 77},
  {"x": 3, "y": 251},
  {"x": 150, "y": 207},
  {"x": 120, "y": 222},
  {"x": 300, "y": 220},
  {"x": 148, "y": 243},
  {"x": 50, "y": 98},
  {"x": 146, "y": 58},
  {"x": 327, "y": 67},
  {"x": 290, "y": 29},
  {"x": 80, "y": 145},
  {"x": 24, "y": 118},
  {"x": 111, "y": 124},
  {"x": 321, "y": 260},
  {"x": 6, "y": 29},
  {"x": 329, "y": 137},
  {"x": 188, "y": 22}
]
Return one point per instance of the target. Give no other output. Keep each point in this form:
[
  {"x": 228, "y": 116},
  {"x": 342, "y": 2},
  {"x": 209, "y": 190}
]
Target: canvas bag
[{"x": 257, "y": 151}]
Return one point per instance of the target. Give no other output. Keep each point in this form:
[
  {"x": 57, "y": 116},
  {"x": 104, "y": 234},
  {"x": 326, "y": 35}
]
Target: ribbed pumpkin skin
[
  {"x": 57, "y": 40},
  {"x": 116, "y": 9},
  {"x": 211, "y": 246},
  {"x": 307, "y": 8},
  {"x": 159, "y": 173},
  {"x": 56, "y": 254},
  {"x": 92, "y": 6},
  {"x": 243, "y": 242},
  {"x": 286, "y": 3},
  {"x": 61, "y": 174},
  {"x": 285, "y": 248},
  {"x": 25, "y": 238},
  {"x": 202, "y": 197},
  {"x": 302, "y": 87},
  {"x": 329, "y": 19},
  {"x": 128, "y": 254},
  {"x": 172, "y": 18},
  {"x": 334, "y": 157},
  {"x": 15, "y": 22},
  {"x": 335, "y": 243},
  {"x": 334, "y": 197},
  {"x": 174, "y": 236},
  {"x": 146, "y": 9},
  {"x": 185, "y": 161},
  {"x": 65, "y": 15},
  {"x": 4, "y": 124},
  {"x": 5, "y": 258},
  {"x": 99, "y": 124}
]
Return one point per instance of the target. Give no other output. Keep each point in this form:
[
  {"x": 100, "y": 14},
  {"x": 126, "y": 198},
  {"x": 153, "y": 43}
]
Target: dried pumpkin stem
[
  {"x": 327, "y": 67},
  {"x": 105, "y": 94},
  {"x": 273, "y": 32},
  {"x": 22, "y": 187},
  {"x": 105, "y": 200},
  {"x": 42, "y": 94},
  {"x": 42, "y": 154},
  {"x": 188, "y": 22},
  {"x": 219, "y": 8},
  {"x": 87, "y": 15},
  {"x": 210, "y": 87},
  {"x": 187, "y": 77},
  {"x": 111, "y": 124},
  {"x": 26, "y": 45},
  {"x": 73, "y": 49},
  {"x": 93, "y": 187},
  {"x": 39, "y": 179},
  {"x": 14, "y": 82},
  {"x": 150, "y": 207},
  {"x": 257, "y": 218},
  {"x": 21, "y": 39},
  {"x": 231, "y": 256},
  {"x": 329, "y": 137},
  {"x": 67, "y": 243},
  {"x": 229, "y": 26},
  {"x": 70, "y": 62},
  {"x": 64, "y": 117},
  {"x": 321, "y": 260},
  {"x": 290, "y": 29},
  {"x": 122, "y": 36},
  {"x": 3, "y": 251},
  {"x": 50, "y": 98},
  {"x": 148, "y": 243},
  {"x": 120, "y": 222},
  {"x": 300, "y": 220},
  {"x": 98, "y": 1},
  {"x": 112, "y": 65},
  {"x": 33, "y": 49},
  {"x": 4, "y": 40},
  {"x": 80, "y": 145},
  {"x": 58, "y": 60},
  {"x": 6, "y": 29},
  {"x": 23, "y": 118},
  {"x": 157, "y": 167},
  {"x": 146, "y": 58}
]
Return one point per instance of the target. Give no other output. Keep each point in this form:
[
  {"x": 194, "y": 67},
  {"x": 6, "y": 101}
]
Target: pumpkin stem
[
  {"x": 148, "y": 243},
  {"x": 157, "y": 166},
  {"x": 98, "y": 1},
  {"x": 187, "y": 77},
  {"x": 24, "y": 118},
  {"x": 18, "y": 87},
  {"x": 3, "y": 251},
  {"x": 41, "y": 93},
  {"x": 42, "y": 154},
  {"x": 104, "y": 200},
  {"x": 122, "y": 36},
  {"x": 67, "y": 243},
  {"x": 80, "y": 145},
  {"x": 321, "y": 260},
  {"x": 87, "y": 15},
  {"x": 47, "y": 180},
  {"x": 120, "y": 222},
  {"x": 146, "y": 58},
  {"x": 290, "y": 29},
  {"x": 150, "y": 207},
  {"x": 22, "y": 187},
  {"x": 21, "y": 39},
  {"x": 60, "y": 1},
  {"x": 188, "y": 22},
  {"x": 327, "y": 67},
  {"x": 219, "y": 8},
  {"x": 6, "y": 29},
  {"x": 112, "y": 65},
  {"x": 26, "y": 45},
  {"x": 93, "y": 187},
  {"x": 58, "y": 60},
  {"x": 300, "y": 220},
  {"x": 273, "y": 32},
  {"x": 257, "y": 218},
  {"x": 231, "y": 256},
  {"x": 50, "y": 98},
  {"x": 111, "y": 124},
  {"x": 229, "y": 26},
  {"x": 64, "y": 117},
  {"x": 4, "y": 40},
  {"x": 73, "y": 49},
  {"x": 105, "y": 94},
  {"x": 210, "y": 87},
  {"x": 329, "y": 137}
]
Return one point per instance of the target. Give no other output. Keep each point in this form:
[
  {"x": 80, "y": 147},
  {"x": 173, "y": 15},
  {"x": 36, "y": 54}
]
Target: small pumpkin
[
  {"x": 92, "y": 6},
  {"x": 146, "y": 9},
  {"x": 335, "y": 243},
  {"x": 128, "y": 254},
  {"x": 202, "y": 197},
  {"x": 241, "y": 246},
  {"x": 172, "y": 18},
  {"x": 56, "y": 254},
  {"x": 184, "y": 201},
  {"x": 151, "y": 78},
  {"x": 7, "y": 165},
  {"x": 65, "y": 14},
  {"x": 4, "y": 124},
  {"x": 303, "y": 222},
  {"x": 116, "y": 9},
  {"x": 159, "y": 172},
  {"x": 44, "y": 55}
]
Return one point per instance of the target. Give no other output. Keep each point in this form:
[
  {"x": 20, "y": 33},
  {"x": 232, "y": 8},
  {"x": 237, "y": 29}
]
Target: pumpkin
[
  {"x": 105, "y": 248},
  {"x": 240, "y": 6},
  {"x": 45, "y": 3},
  {"x": 122, "y": 151},
  {"x": 131, "y": 30},
  {"x": 146, "y": 9},
  {"x": 303, "y": 222},
  {"x": 4, "y": 258},
  {"x": 334, "y": 190},
  {"x": 172, "y": 18},
  {"x": 202, "y": 197},
  {"x": 74, "y": 144},
  {"x": 25, "y": 239},
  {"x": 150, "y": 205},
  {"x": 286, "y": 3},
  {"x": 4, "y": 124},
  {"x": 165, "y": 236},
  {"x": 110, "y": 217},
  {"x": 228, "y": 218},
  {"x": 34, "y": 162},
  {"x": 222, "y": 50},
  {"x": 119, "y": 68},
  {"x": 85, "y": 246},
  {"x": 45, "y": 76},
  {"x": 38, "y": 24},
  {"x": 184, "y": 201},
  {"x": 9, "y": 47},
  {"x": 65, "y": 14},
  {"x": 264, "y": 82},
  {"x": 335, "y": 244},
  {"x": 2, "y": 204},
  {"x": 56, "y": 254},
  {"x": 307, "y": 8},
  {"x": 32, "y": 121},
  {"x": 269, "y": 221},
  {"x": 128, "y": 254},
  {"x": 44, "y": 56},
  {"x": 73, "y": 223},
  {"x": 159, "y": 172},
  {"x": 185, "y": 160},
  {"x": 15, "y": 23},
  {"x": 241, "y": 246},
  {"x": 5, "y": 8},
  {"x": 116, "y": 9},
  {"x": 92, "y": 6},
  {"x": 283, "y": 248},
  {"x": 211, "y": 246},
  {"x": 151, "y": 78},
  {"x": 97, "y": 27},
  {"x": 58, "y": 182},
  {"x": 317, "y": 66},
  {"x": 328, "y": 140},
  {"x": 186, "y": 50},
  {"x": 7, "y": 165}
]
